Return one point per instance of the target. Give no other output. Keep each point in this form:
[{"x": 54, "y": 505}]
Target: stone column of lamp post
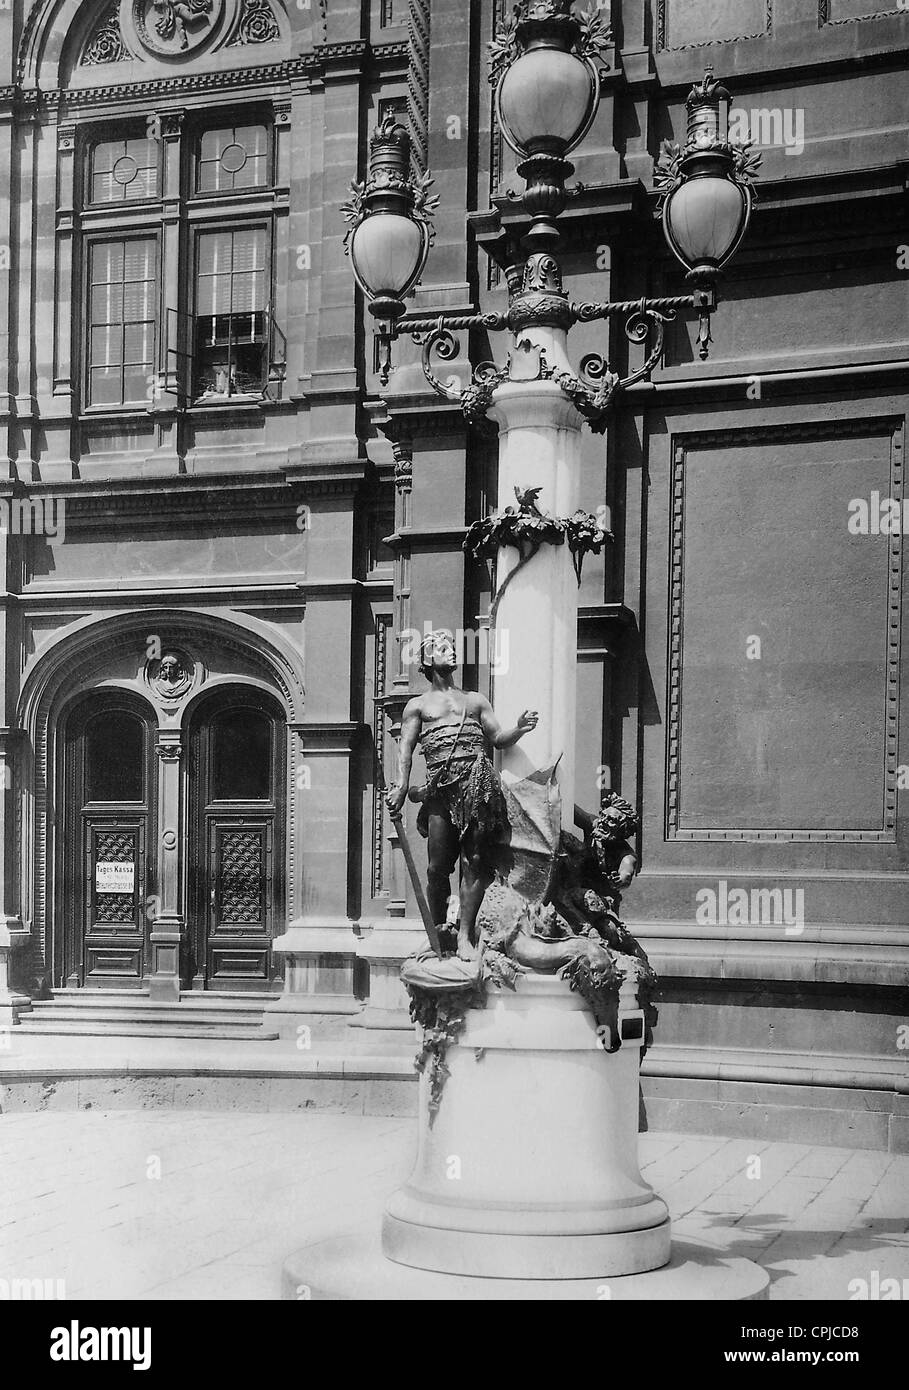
[{"x": 526, "y": 1183}]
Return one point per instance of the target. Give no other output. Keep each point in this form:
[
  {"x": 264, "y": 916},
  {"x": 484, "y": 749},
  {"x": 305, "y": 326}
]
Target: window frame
[
  {"x": 101, "y": 803},
  {"x": 197, "y": 229},
  {"x": 90, "y": 241},
  {"x": 174, "y": 326},
  {"x": 193, "y": 154},
  {"x": 105, "y": 136}
]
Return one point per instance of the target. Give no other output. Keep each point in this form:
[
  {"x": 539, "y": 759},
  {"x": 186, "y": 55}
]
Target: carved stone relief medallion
[
  {"x": 175, "y": 28},
  {"x": 172, "y": 676}
]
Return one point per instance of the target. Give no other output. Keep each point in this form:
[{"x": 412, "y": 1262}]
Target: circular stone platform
[{"x": 353, "y": 1268}]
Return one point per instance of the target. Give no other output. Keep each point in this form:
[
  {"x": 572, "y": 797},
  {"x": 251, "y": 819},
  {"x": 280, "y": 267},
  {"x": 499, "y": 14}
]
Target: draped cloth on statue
[
  {"x": 462, "y": 782},
  {"x": 534, "y": 808}
]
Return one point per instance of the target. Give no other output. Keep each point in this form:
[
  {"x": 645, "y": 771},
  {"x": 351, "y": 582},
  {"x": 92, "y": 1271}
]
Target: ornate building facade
[{"x": 221, "y": 531}]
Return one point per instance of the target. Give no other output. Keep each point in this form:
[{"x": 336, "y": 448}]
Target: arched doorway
[
  {"x": 108, "y": 842},
  {"x": 235, "y": 889}
]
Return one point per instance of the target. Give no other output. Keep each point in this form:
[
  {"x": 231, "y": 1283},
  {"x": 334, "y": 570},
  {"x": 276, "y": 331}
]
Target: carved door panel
[
  {"x": 240, "y": 899},
  {"x": 236, "y": 877},
  {"x": 108, "y": 819}
]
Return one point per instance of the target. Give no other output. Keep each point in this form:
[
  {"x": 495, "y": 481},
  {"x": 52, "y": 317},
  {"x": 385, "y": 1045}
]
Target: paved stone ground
[{"x": 166, "y": 1204}]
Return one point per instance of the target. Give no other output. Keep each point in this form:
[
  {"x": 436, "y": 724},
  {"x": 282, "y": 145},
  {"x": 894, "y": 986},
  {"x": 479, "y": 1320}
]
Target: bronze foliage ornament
[{"x": 526, "y": 528}]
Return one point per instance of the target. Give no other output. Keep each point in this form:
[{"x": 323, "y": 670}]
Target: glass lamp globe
[
  {"x": 704, "y": 221},
  {"x": 547, "y": 101},
  {"x": 387, "y": 252}
]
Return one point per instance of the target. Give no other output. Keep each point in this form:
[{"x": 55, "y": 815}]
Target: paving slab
[{"x": 190, "y": 1204}]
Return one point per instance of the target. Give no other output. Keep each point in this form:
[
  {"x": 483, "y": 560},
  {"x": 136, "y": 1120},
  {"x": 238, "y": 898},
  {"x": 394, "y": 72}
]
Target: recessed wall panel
[
  {"x": 691, "y": 23},
  {"x": 784, "y": 649}
]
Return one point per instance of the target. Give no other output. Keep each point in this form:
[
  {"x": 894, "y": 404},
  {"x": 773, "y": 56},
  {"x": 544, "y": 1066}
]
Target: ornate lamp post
[
  {"x": 544, "y": 66},
  {"x": 390, "y": 231},
  {"x": 544, "y": 1125},
  {"x": 545, "y": 69}
]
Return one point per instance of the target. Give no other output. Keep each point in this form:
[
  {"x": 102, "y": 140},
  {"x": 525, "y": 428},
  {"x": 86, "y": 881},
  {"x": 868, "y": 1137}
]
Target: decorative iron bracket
[{"x": 594, "y": 387}]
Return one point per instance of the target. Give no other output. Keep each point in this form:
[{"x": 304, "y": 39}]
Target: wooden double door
[{"x": 230, "y": 840}]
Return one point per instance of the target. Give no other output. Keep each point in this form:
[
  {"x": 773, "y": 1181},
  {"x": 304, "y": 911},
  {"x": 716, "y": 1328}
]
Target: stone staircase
[{"x": 132, "y": 1014}]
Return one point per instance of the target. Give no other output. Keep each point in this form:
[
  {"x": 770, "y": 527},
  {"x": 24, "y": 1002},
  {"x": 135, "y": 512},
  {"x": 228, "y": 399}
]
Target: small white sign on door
[{"x": 114, "y": 878}]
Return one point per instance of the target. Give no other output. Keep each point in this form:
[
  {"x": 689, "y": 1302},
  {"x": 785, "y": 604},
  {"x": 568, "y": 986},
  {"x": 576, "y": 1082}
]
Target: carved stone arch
[
  {"x": 241, "y": 634},
  {"x": 51, "y": 28},
  {"x": 56, "y": 32},
  {"x": 105, "y": 653},
  {"x": 216, "y": 683}
]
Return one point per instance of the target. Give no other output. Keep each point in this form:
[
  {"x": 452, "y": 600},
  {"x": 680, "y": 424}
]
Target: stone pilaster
[
  {"x": 388, "y": 941},
  {"x": 168, "y": 924},
  {"x": 24, "y": 275},
  {"x": 168, "y": 390},
  {"x": 11, "y": 1003},
  {"x": 319, "y": 945}
]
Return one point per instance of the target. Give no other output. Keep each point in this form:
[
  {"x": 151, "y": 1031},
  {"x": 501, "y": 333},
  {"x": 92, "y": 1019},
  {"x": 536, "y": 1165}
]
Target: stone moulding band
[
  {"x": 497, "y": 1254},
  {"x": 306, "y": 65}
]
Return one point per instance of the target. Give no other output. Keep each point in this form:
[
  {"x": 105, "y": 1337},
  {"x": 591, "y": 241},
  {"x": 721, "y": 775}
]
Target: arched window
[
  {"x": 114, "y": 757},
  {"x": 241, "y": 761}
]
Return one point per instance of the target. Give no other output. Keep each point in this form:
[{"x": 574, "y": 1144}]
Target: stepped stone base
[
  {"x": 353, "y": 1268},
  {"x": 136, "y": 1014}
]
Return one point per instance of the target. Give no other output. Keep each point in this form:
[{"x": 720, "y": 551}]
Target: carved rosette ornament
[
  {"x": 106, "y": 44},
  {"x": 257, "y": 24},
  {"x": 172, "y": 677}
]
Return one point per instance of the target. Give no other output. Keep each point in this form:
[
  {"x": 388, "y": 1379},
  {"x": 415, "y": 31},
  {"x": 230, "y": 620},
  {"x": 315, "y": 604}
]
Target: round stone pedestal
[
  {"x": 529, "y": 1168},
  {"x": 352, "y": 1268}
]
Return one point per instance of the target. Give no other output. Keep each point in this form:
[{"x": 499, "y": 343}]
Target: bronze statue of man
[{"x": 463, "y": 807}]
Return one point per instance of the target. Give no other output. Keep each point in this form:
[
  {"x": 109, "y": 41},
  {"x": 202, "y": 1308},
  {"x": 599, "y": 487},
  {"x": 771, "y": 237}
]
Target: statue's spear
[{"x": 397, "y": 820}]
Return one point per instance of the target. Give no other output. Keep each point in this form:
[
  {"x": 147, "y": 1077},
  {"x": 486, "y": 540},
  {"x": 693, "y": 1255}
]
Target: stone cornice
[
  {"x": 325, "y": 738},
  {"x": 187, "y": 496},
  {"x": 604, "y": 629},
  {"x": 413, "y": 416},
  {"x": 55, "y": 600},
  {"x": 313, "y": 64},
  {"x": 427, "y": 538},
  {"x": 616, "y": 208}
]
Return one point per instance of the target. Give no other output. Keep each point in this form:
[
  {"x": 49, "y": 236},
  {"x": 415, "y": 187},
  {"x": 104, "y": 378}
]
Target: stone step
[
  {"x": 139, "y": 1012},
  {"x": 132, "y": 1013},
  {"x": 140, "y": 998},
  {"x": 130, "y": 1028},
  {"x": 113, "y": 1021}
]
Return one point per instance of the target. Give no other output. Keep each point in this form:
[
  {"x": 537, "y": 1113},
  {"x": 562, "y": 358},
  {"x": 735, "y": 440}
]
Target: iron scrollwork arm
[
  {"x": 588, "y": 312},
  {"x": 704, "y": 300},
  {"x": 638, "y": 327},
  {"x": 594, "y": 387},
  {"x": 442, "y": 341},
  {"x": 438, "y": 336}
]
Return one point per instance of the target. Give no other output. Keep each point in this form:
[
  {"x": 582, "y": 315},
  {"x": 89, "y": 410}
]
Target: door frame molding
[
  {"x": 109, "y": 651},
  {"x": 69, "y": 942},
  {"x": 197, "y": 725}
]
